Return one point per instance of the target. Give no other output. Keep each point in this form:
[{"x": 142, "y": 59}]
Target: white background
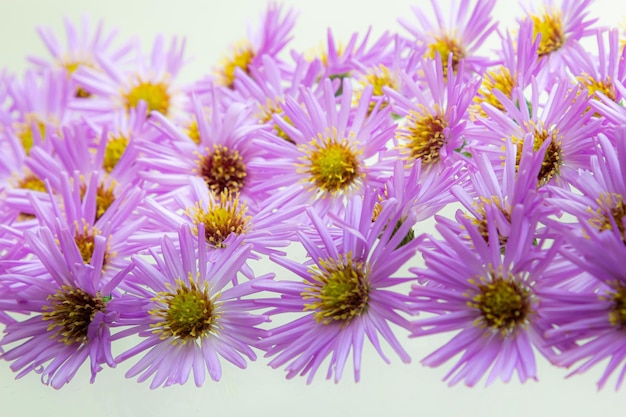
[{"x": 385, "y": 390}]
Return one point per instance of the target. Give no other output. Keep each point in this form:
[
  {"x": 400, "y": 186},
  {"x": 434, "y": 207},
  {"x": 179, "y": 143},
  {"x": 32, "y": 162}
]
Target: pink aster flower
[
  {"x": 151, "y": 79},
  {"x": 591, "y": 318},
  {"x": 334, "y": 142},
  {"x": 597, "y": 203},
  {"x": 435, "y": 116},
  {"x": 599, "y": 74},
  {"x": 560, "y": 23},
  {"x": 561, "y": 119},
  {"x": 459, "y": 34},
  {"x": 84, "y": 43},
  {"x": 67, "y": 302},
  {"x": 221, "y": 152},
  {"x": 270, "y": 38},
  {"x": 343, "y": 294},
  {"x": 488, "y": 296},
  {"x": 188, "y": 313},
  {"x": 520, "y": 62}
]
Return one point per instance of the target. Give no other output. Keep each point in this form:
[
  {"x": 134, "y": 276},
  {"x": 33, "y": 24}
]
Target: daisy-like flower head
[
  {"x": 152, "y": 80},
  {"x": 599, "y": 74},
  {"x": 68, "y": 304},
  {"x": 459, "y": 36},
  {"x": 268, "y": 88},
  {"x": 592, "y": 318},
  {"x": 269, "y": 39},
  {"x": 90, "y": 213},
  {"x": 560, "y": 26},
  {"x": 520, "y": 62},
  {"x": 225, "y": 219},
  {"x": 434, "y": 112},
  {"x": 513, "y": 185},
  {"x": 561, "y": 119},
  {"x": 84, "y": 43},
  {"x": 222, "y": 156},
  {"x": 598, "y": 204},
  {"x": 333, "y": 142},
  {"x": 39, "y": 107},
  {"x": 487, "y": 295},
  {"x": 343, "y": 294},
  {"x": 188, "y": 312}
]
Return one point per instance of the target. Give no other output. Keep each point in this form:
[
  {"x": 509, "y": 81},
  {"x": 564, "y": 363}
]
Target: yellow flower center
[
  {"x": 194, "y": 132},
  {"x": 378, "y": 77},
  {"x": 553, "y": 157},
  {"x": 503, "y": 303},
  {"x": 617, "y": 316},
  {"x": 606, "y": 87},
  {"x": 155, "y": 94},
  {"x": 339, "y": 290},
  {"x": 550, "y": 27},
  {"x": 423, "y": 136},
  {"x": 32, "y": 182},
  {"x": 223, "y": 169},
  {"x": 265, "y": 117},
  {"x": 187, "y": 313},
  {"x": 70, "y": 311},
  {"x": 611, "y": 206},
  {"x": 26, "y": 135},
  {"x": 242, "y": 57},
  {"x": 499, "y": 79},
  {"x": 221, "y": 219},
  {"x": 332, "y": 166},
  {"x": 113, "y": 152},
  {"x": 445, "y": 45}
]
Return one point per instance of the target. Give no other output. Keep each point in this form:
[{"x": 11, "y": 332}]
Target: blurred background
[{"x": 210, "y": 28}]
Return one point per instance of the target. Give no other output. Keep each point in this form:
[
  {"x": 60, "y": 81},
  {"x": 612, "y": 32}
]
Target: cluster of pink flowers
[{"x": 134, "y": 207}]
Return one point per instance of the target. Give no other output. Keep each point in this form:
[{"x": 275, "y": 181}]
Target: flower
[
  {"x": 460, "y": 36},
  {"x": 332, "y": 144},
  {"x": 343, "y": 293},
  {"x": 188, "y": 312},
  {"x": 68, "y": 302},
  {"x": 487, "y": 295}
]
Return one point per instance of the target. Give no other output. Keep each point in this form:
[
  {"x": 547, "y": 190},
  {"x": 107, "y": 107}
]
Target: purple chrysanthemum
[
  {"x": 487, "y": 295},
  {"x": 188, "y": 312},
  {"x": 343, "y": 294},
  {"x": 67, "y": 301}
]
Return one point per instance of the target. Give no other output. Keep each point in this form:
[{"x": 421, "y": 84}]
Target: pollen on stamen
[
  {"x": 105, "y": 196},
  {"x": 186, "y": 313},
  {"x": 115, "y": 147},
  {"x": 223, "y": 169},
  {"x": 155, "y": 94},
  {"x": 594, "y": 86},
  {"x": 85, "y": 242},
  {"x": 266, "y": 117},
  {"x": 550, "y": 26},
  {"x": 611, "y": 207},
  {"x": 222, "y": 218},
  {"x": 444, "y": 46},
  {"x": 378, "y": 77},
  {"x": 25, "y": 133},
  {"x": 423, "y": 136},
  {"x": 553, "y": 157},
  {"x": 499, "y": 79},
  {"x": 331, "y": 165},
  {"x": 339, "y": 290},
  {"x": 70, "y": 312},
  {"x": 503, "y": 303},
  {"x": 241, "y": 57},
  {"x": 617, "y": 297}
]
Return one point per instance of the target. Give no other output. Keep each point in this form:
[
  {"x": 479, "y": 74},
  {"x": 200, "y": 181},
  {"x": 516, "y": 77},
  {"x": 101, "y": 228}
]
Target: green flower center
[
  {"x": 339, "y": 290},
  {"x": 188, "y": 313},
  {"x": 503, "y": 304}
]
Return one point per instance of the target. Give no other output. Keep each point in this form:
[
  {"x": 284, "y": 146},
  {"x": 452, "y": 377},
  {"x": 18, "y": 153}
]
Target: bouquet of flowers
[{"x": 133, "y": 207}]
